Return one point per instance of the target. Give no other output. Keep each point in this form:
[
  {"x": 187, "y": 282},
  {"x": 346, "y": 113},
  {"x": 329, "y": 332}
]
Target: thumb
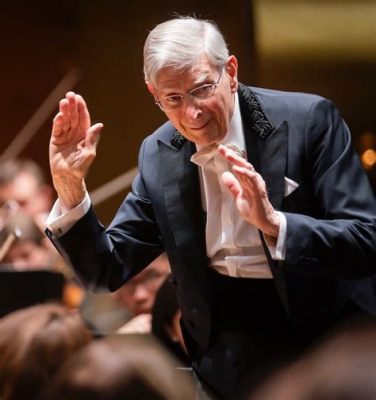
[
  {"x": 94, "y": 134},
  {"x": 229, "y": 180}
]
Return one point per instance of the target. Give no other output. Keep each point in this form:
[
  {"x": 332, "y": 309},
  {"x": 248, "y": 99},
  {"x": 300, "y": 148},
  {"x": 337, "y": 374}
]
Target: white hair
[{"x": 180, "y": 42}]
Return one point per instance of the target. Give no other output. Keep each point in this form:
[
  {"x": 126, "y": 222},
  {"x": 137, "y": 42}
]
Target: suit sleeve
[
  {"x": 341, "y": 240},
  {"x": 107, "y": 258}
]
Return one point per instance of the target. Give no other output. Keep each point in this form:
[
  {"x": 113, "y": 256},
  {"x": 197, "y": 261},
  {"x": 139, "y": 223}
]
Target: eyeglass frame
[{"x": 189, "y": 93}]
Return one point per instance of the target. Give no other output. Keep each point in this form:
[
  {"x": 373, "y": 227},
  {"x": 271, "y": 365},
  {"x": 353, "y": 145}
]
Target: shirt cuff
[
  {"x": 278, "y": 252},
  {"x": 59, "y": 223}
]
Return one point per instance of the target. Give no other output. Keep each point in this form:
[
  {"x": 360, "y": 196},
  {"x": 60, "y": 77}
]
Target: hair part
[{"x": 180, "y": 42}]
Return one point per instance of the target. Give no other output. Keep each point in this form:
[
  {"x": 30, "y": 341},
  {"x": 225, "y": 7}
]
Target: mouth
[{"x": 200, "y": 127}]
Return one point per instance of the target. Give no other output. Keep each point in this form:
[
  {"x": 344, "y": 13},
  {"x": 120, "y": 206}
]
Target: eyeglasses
[{"x": 203, "y": 92}]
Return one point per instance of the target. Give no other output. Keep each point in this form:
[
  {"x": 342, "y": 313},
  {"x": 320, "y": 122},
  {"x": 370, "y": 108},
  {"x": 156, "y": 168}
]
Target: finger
[
  {"x": 93, "y": 135},
  {"x": 83, "y": 113},
  {"x": 233, "y": 157},
  {"x": 57, "y": 125},
  {"x": 242, "y": 203},
  {"x": 64, "y": 110},
  {"x": 251, "y": 181},
  {"x": 230, "y": 181},
  {"x": 246, "y": 174},
  {"x": 247, "y": 178},
  {"x": 72, "y": 108}
]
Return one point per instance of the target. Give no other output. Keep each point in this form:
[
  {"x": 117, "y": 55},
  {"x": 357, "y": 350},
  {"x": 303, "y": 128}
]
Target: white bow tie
[{"x": 202, "y": 156}]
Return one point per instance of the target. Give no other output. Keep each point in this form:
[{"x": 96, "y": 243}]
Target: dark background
[{"x": 41, "y": 40}]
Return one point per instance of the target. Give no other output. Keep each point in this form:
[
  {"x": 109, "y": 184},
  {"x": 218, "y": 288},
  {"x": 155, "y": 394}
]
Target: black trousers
[{"x": 251, "y": 336}]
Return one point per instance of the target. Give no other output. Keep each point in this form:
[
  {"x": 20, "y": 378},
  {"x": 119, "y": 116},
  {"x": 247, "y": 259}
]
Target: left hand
[{"x": 249, "y": 191}]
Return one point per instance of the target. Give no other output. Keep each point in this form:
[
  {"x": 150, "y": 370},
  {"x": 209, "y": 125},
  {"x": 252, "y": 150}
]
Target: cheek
[
  {"x": 176, "y": 122},
  {"x": 125, "y": 297},
  {"x": 219, "y": 109},
  {"x": 221, "y": 118}
]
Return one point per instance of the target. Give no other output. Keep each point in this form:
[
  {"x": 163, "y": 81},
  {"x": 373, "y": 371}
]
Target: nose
[
  {"x": 141, "y": 293},
  {"x": 191, "y": 109}
]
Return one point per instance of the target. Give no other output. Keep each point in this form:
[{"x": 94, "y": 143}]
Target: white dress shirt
[{"x": 233, "y": 245}]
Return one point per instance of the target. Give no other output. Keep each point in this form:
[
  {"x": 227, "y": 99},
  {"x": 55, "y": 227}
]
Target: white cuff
[
  {"x": 59, "y": 223},
  {"x": 278, "y": 252}
]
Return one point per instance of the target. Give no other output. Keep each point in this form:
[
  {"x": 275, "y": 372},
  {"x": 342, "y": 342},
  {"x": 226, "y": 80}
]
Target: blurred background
[{"x": 94, "y": 47}]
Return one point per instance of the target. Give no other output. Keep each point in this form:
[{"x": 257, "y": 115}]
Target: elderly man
[{"x": 256, "y": 196}]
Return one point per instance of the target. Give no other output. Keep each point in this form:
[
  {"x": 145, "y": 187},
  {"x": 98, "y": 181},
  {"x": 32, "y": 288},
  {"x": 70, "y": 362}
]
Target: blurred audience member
[
  {"x": 22, "y": 184},
  {"x": 130, "y": 367},
  {"x": 25, "y": 201},
  {"x": 23, "y": 247},
  {"x": 34, "y": 342},
  {"x": 139, "y": 293},
  {"x": 23, "y": 244},
  {"x": 165, "y": 323},
  {"x": 341, "y": 368}
]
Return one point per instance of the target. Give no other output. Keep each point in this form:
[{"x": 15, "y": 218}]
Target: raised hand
[
  {"x": 72, "y": 149},
  {"x": 249, "y": 191}
]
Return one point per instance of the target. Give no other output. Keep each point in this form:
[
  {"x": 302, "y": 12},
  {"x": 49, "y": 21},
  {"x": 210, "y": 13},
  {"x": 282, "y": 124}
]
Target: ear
[
  {"x": 232, "y": 70},
  {"x": 171, "y": 333},
  {"x": 150, "y": 87}
]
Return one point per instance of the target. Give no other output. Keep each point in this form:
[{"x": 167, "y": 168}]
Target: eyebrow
[
  {"x": 199, "y": 80},
  {"x": 202, "y": 78}
]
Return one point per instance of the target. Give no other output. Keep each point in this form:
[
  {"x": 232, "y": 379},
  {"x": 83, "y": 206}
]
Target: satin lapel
[
  {"x": 181, "y": 190},
  {"x": 273, "y": 157},
  {"x": 252, "y": 145},
  {"x": 266, "y": 145},
  {"x": 269, "y": 156},
  {"x": 267, "y": 151}
]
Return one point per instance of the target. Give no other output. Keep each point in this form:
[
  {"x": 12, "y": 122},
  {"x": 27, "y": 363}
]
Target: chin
[
  {"x": 209, "y": 138},
  {"x": 143, "y": 311}
]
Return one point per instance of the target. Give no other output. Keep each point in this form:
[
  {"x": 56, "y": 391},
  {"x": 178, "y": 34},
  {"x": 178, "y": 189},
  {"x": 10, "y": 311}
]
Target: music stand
[{"x": 20, "y": 289}]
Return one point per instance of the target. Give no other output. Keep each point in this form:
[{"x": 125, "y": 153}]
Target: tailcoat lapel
[
  {"x": 185, "y": 217},
  {"x": 181, "y": 190},
  {"x": 267, "y": 151},
  {"x": 266, "y": 145}
]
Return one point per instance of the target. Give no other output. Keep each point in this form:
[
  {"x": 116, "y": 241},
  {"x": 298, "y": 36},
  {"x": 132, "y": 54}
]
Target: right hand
[
  {"x": 251, "y": 197},
  {"x": 72, "y": 149}
]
